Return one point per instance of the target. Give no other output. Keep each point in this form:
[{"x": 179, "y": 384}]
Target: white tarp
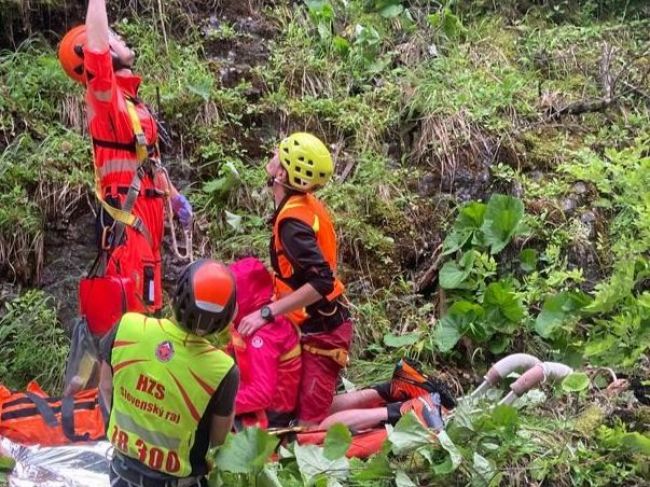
[{"x": 79, "y": 465}]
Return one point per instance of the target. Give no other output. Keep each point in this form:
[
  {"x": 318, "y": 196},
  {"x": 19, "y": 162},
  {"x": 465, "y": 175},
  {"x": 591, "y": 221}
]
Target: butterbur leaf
[
  {"x": 403, "y": 480},
  {"x": 502, "y": 217},
  {"x": 234, "y": 221},
  {"x": 446, "y": 334},
  {"x": 246, "y": 451},
  {"x": 460, "y": 318},
  {"x": 395, "y": 341},
  {"x": 408, "y": 434},
  {"x": 313, "y": 464},
  {"x": 499, "y": 344},
  {"x": 268, "y": 477},
  {"x": 337, "y": 441},
  {"x": 468, "y": 222},
  {"x": 502, "y": 305},
  {"x": 528, "y": 260},
  {"x": 377, "y": 468},
  {"x": 557, "y": 309},
  {"x": 451, "y": 448},
  {"x": 505, "y": 417},
  {"x": 390, "y": 11},
  {"x": 453, "y": 274},
  {"x": 575, "y": 382},
  {"x": 484, "y": 468}
]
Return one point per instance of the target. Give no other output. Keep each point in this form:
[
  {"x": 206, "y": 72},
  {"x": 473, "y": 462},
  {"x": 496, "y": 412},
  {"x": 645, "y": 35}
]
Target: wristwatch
[{"x": 266, "y": 313}]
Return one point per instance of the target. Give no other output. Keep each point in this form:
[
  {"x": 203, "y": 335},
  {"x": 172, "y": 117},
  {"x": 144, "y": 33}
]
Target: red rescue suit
[{"x": 111, "y": 129}]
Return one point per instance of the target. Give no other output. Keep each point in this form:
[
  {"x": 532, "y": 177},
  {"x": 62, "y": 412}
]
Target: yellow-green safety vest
[{"x": 163, "y": 379}]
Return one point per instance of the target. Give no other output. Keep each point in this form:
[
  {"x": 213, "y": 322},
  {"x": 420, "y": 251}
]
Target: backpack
[{"x": 34, "y": 418}]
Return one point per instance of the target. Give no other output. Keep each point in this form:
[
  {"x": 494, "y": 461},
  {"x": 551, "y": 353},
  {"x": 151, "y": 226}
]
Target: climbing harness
[
  {"x": 339, "y": 355},
  {"x": 124, "y": 216}
]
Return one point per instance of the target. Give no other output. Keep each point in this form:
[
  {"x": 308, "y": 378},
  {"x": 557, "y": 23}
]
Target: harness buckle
[{"x": 104, "y": 241}]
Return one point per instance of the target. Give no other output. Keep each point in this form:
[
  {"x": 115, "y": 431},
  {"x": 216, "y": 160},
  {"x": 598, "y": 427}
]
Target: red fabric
[
  {"x": 265, "y": 382},
  {"x": 320, "y": 374},
  {"x": 362, "y": 445},
  {"x": 109, "y": 120}
]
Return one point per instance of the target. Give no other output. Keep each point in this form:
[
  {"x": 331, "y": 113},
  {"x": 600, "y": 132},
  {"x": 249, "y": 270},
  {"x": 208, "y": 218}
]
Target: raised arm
[{"x": 97, "y": 30}]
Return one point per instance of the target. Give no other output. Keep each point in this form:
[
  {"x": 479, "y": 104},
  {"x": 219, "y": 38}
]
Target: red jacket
[
  {"x": 269, "y": 360},
  {"x": 115, "y": 160}
]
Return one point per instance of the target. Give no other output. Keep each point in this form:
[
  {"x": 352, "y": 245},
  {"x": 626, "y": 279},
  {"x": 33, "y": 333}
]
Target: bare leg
[
  {"x": 357, "y": 419},
  {"x": 365, "y": 398}
]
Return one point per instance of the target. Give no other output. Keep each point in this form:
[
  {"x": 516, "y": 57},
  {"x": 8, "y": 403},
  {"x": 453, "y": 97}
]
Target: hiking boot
[
  {"x": 408, "y": 383},
  {"x": 426, "y": 409}
]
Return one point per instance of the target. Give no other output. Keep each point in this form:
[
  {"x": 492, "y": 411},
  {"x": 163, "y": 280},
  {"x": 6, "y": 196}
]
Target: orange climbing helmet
[
  {"x": 205, "y": 301},
  {"x": 71, "y": 54}
]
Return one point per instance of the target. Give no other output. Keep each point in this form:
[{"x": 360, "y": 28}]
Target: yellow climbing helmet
[{"x": 307, "y": 161}]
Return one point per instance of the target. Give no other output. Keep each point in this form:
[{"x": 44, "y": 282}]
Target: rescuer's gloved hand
[{"x": 183, "y": 210}]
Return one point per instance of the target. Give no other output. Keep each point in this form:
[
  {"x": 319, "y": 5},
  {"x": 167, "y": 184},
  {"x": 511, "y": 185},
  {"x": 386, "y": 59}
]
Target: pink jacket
[{"x": 269, "y": 361}]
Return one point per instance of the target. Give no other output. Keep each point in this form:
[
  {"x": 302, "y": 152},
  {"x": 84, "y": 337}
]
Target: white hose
[
  {"x": 516, "y": 362},
  {"x": 536, "y": 375}
]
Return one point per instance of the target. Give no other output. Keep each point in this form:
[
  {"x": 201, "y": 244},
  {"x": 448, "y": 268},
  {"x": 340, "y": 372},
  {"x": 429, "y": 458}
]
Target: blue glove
[{"x": 183, "y": 210}]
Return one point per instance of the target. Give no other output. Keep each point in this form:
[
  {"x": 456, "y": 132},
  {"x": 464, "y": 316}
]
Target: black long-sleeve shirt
[{"x": 301, "y": 249}]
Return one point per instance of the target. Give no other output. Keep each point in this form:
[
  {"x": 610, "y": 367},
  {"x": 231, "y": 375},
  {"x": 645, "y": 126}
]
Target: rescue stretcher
[{"x": 55, "y": 456}]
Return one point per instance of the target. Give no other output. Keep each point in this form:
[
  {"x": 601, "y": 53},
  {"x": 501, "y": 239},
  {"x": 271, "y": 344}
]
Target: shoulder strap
[
  {"x": 43, "y": 409},
  {"x": 67, "y": 420},
  {"x": 124, "y": 216}
]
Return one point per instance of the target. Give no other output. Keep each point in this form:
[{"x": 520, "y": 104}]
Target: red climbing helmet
[{"x": 71, "y": 53}]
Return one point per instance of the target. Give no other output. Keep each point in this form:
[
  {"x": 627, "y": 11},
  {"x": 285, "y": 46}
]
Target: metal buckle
[{"x": 104, "y": 243}]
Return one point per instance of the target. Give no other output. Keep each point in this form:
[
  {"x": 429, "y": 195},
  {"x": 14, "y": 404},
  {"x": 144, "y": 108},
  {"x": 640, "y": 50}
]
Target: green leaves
[
  {"x": 502, "y": 305},
  {"x": 502, "y": 218},
  {"x": 408, "y": 434},
  {"x": 557, "y": 309},
  {"x": 337, "y": 441},
  {"x": 455, "y": 456},
  {"x": 377, "y": 468},
  {"x": 501, "y": 311},
  {"x": 246, "y": 451},
  {"x": 321, "y": 13},
  {"x": 388, "y": 8},
  {"x": 227, "y": 181},
  {"x": 467, "y": 224},
  {"x": 505, "y": 417},
  {"x": 528, "y": 260},
  {"x": 453, "y": 274},
  {"x": 492, "y": 225},
  {"x": 460, "y": 318},
  {"x": 6, "y": 464},
  {"x": 396, "y": 341},
  {"x": 314, "y": 465},
  {"x": 575, "y": 382},
  {"x": 449, "y": 23}
]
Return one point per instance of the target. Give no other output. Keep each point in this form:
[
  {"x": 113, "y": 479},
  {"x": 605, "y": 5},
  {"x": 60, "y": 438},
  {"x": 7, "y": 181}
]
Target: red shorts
[{"x": 320, "y": 374}]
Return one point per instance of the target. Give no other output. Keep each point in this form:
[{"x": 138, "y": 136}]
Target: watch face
[{"x": 266, "y": 312}]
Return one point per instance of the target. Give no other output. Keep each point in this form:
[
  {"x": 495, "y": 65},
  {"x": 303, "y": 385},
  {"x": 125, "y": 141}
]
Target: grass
[
  {"x": 29, "y": 323},
  {"x": 422, "y": 116}
]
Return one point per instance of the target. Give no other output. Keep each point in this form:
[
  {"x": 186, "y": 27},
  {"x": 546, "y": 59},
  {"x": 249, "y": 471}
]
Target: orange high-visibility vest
[{"x": 307, "y": 209}]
